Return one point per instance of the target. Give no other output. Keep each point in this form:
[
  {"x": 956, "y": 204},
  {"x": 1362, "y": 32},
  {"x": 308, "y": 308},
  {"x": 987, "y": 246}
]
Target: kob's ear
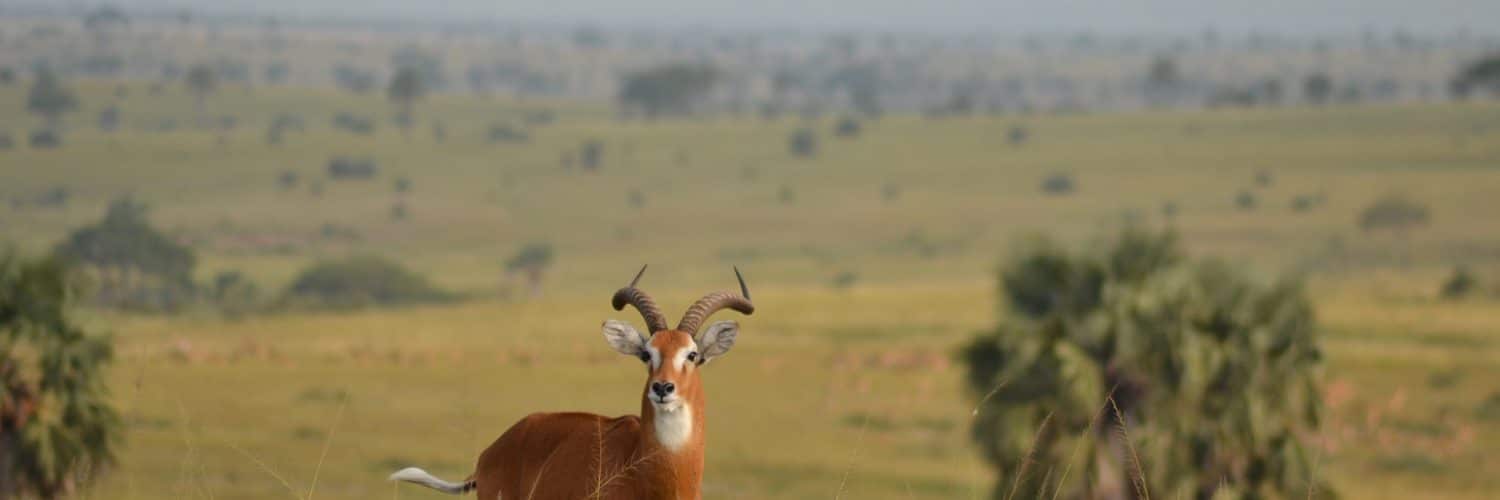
[
  {"x": 716, "y": 340},
  {"x": 624, "y": 338}
]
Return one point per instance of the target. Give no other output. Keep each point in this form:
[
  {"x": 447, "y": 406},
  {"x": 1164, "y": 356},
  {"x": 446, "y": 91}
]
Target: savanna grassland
[{"x": 839, "y": 386}]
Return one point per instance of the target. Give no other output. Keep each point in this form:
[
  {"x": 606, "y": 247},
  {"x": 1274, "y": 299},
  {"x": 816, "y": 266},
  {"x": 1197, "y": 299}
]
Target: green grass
[{"x": 824, "y": 381}]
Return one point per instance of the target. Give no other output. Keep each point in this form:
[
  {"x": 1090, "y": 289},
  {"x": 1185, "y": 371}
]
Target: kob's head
[{"x": 673, "y": 356}]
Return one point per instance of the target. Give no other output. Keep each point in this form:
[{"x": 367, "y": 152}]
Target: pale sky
[{"x": 1109, "y": 16}]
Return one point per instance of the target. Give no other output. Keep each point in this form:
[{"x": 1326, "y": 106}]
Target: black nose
[{"x": 662, "y": 389}]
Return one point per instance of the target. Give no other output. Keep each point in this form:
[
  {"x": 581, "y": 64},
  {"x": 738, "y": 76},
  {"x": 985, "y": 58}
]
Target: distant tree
[
  {"x": 352, "y": 168},
  {"x": 202, "y": 80},
  {"x": 1393, "y": 213},
  {"x": 670, "y": 89},
  {"x": 1245, "y": 200},
  {"x": 1460, "y": 284},
  {"x": 7, "y": 75},
  {"x": 45, "y": 139},
  {"x": 803, "y": 142},
  {"x": 1182, "y": 378},
  {"x": 1317, "y": 88},
  {"x": 104, "y": 20},
  {"x": 1482, "y": 74},
  {"x": 234, "y": 294},
  {"x": 427, "y": 64},
  {"x": 1017, "y": 135},
  {"x": 590, "y": 37},
  {"x": 276, "y": 73},
  {"x": 49, "y": 98},
  {"x": 406, "y": 88},
  {"x": 1163, "y": 81},
  {"x": 862, "y": 82},
  {"x": 353, "y": 79},
  {"x": 847, "y": 127},
  {"x": 137, "y": 266},
  {"x": 532, "y": 260},
  {"x": 1059, "y": 184},
  {"x": 109, "y": 119},
  {"x": 591, "y": 154},
  {"x": 58, "y": 429},
  {"x": 506, "y": 133},
  {"x": 354, "y": 124}
]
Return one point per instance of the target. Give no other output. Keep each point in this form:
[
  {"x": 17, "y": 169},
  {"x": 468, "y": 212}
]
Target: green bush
[
  {"x": 1136, "y": 365},
  {"x": 361, "y": 281},
  {"x": 1460, "y": 284},
  {"x": 803, "y": 142},
  {"x": 1245, "y": 200},
  {"x": 1393, "y": 213},
  {"x": 1058, "y": 184},
  {"x": 505, "y": 133},
  {"x": 847, "y": 127}
]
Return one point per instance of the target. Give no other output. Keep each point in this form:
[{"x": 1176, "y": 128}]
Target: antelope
[{"x": 655, "y": 455}]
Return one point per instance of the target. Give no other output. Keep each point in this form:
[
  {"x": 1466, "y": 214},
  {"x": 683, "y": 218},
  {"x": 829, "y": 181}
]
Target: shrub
[
  {"x": 591, "y": 154},
  {"x": 844, "y": 280},
  {"x": 1460, "y": 284},
  {"x": 847, "y": 127},
  {"x": 1207, "y": 376},
  {"x": 1306, "y": 202},
  {"x": 234, "y": 294},
  {"x": 109, "y": 119},
  {"x": 402, "y": 184},
  {"x": 1245, "y": 200},
  {"x": 57, "y": 197},
  {"x": 786, "y": 195},
  {"x": 398, "y": 211},
  {"x": 1058, "y": 184},
  {"x": 45, "y": 139},
  {"x": 890, "y": 192},
  {"x": 361, "y": 281},
  {"x": 1393, "y": 213},
  {"x": 1018, "y": 135},
  {"x": 532, "y": 260},
  {"x": 803, "y": 143},
  {"x": 6, "y": 141},
  {"x": 354, "y": 124},
  {"x": 344, "y": 167},
  {"x": 636, "y": 198},
  {"x": 505, "y": 133},
  {"x": 1263, "y": 178}
]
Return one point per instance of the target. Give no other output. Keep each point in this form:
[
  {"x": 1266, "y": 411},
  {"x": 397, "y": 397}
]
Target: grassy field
[{"x": 826, "y": 383}]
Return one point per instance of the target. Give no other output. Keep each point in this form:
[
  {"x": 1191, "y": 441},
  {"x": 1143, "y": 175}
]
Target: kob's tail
[{"x": 419, "y": 476}]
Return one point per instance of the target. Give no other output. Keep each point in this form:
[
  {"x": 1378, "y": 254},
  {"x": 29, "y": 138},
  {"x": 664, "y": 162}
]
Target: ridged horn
[
  {"x": 713, "y": 302},
  {"x": 655, "y": 321}
]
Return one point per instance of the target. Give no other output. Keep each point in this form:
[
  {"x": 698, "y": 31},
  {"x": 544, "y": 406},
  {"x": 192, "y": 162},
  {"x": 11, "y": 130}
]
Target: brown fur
[{"x": 559, "y": 456}]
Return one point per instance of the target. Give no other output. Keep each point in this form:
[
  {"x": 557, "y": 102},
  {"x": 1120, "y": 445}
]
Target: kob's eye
[
  {"x": 692, "y": 357},
  {"x": 645, "y": 356}
]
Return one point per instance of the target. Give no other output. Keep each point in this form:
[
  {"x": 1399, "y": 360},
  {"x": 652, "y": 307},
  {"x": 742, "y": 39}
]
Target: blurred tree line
[{"x": 1136, "y": 371}]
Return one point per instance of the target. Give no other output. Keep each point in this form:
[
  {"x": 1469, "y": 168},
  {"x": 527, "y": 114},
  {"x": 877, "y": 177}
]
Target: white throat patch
[{"x": 675, "y": 427}]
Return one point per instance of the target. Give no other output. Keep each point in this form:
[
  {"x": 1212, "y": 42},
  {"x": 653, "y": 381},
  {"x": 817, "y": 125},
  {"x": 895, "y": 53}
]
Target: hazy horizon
[{"x": 1136, "y": 17}]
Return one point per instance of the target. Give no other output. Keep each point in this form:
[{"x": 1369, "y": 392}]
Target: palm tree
[
  {"x": 405, "y": 89},
  {"x": 1148, "y": 374},
  {"x": 57, "y": 427}
]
